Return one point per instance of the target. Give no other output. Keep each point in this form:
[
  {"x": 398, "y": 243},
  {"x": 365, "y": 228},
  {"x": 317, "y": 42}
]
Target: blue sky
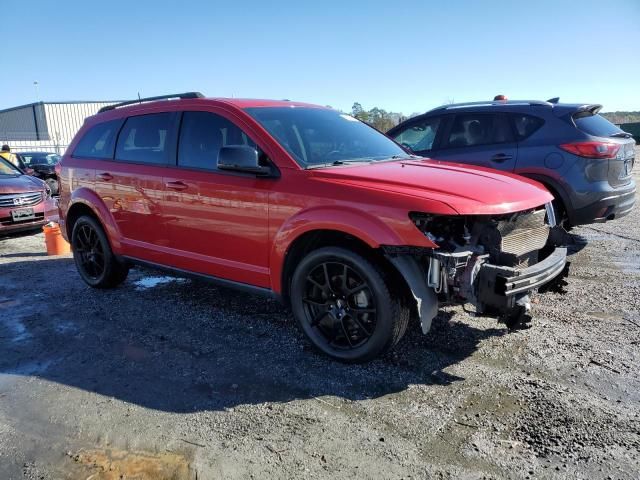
[{"x": 404, "y": 56}]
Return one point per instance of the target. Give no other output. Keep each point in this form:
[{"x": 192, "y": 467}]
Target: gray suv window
[
  {"x": 474, "y": 129},
  {"x": 419, "y": 136},
  {"x": 526, "y": 125},
  {"x": 595, "y": 125}
]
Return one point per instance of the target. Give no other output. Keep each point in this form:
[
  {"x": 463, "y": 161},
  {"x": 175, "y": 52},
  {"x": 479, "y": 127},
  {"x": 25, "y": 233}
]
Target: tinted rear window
[
  {"x": 99, "y": 141},
  {"x": 595, "y": 125},
  {"x": 144, "y": 139}
]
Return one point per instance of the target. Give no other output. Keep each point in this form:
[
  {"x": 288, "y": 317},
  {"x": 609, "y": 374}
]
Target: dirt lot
[{"x": 170, "y": 378}]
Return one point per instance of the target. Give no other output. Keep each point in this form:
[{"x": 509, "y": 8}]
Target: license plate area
[{"x": 22, "y": 214}]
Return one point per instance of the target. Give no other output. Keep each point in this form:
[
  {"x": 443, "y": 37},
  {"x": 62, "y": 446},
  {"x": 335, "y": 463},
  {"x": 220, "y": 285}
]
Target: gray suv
[{"x": 584, "y": 160}]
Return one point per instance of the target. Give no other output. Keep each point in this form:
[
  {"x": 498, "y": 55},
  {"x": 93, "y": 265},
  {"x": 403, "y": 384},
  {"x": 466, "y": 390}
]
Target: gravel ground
[{"x": 171, "y": 378}]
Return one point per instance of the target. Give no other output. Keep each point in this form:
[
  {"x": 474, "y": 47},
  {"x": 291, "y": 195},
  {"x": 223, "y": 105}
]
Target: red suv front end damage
[
  {"x": 491, "y": 253},
  {"x": 491, "y": 262}
]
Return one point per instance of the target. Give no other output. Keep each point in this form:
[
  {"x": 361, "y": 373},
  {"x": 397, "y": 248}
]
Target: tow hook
[{"x": 519, "y": 317}]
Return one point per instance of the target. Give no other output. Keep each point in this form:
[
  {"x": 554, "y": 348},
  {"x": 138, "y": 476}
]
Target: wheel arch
[
  {"x": 318, "y": 238},
  {"x": 86, "y": 202},
  {"x": 554, "y": 188}
]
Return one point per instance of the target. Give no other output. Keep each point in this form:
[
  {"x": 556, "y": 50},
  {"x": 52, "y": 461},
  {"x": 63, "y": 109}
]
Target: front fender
[
  {"x": 87, "y": 197},
  {"x": 366, "y": 227}
]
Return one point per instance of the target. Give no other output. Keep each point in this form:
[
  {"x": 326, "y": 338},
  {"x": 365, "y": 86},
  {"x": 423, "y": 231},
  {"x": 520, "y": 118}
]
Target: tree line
[
  {"x": 622, "y": 117},
  {"x": 377, "y": 117}
]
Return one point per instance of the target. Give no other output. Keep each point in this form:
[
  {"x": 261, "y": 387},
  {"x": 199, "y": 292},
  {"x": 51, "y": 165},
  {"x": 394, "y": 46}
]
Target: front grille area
[
  {"x": 17, "y": 200},
  {"x": 527, "y": 233}
]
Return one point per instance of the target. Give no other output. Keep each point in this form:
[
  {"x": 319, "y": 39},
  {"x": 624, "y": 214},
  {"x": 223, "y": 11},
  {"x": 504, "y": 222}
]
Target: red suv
[{"x": 306, "y": 204}]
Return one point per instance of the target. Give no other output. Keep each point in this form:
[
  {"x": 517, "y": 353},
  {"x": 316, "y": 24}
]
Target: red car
[
  {"x": 25, "y": 201},
  {"x": 306, "y": 204}
]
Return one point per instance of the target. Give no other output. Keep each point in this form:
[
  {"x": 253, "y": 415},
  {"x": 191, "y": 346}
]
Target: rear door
[
  {"x": 217, "y": 220},
  {"x": 484, "y": 139},
  {"x": 132, "y": 184}
]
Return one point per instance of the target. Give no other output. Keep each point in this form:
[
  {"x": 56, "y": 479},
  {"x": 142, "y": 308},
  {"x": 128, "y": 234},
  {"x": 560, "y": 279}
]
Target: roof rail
[
  {"x": 490, "y": 103},
  {"x": 151, "y": 99}
]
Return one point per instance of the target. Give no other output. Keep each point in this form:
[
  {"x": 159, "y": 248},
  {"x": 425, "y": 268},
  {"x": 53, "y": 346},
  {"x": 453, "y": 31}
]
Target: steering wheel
[
  {"x": 332, "y": 153},
  {"x": 407, "y": 146}
]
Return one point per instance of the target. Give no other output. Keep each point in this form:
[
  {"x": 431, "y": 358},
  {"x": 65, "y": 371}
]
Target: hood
[
  {"x": 468, "y": 190},
  {"x": 20, "y": 184}
]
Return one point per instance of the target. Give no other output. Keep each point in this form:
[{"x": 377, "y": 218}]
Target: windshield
[
  {"x": 317, "y": 137},
  {"x": 40, "y": 158},
  {"x": 7, "y": 168}
]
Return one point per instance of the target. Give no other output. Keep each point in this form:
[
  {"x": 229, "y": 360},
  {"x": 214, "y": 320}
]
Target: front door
[
  {"x": 217, "y": 220},
  {"x": 484, "y": 139}
]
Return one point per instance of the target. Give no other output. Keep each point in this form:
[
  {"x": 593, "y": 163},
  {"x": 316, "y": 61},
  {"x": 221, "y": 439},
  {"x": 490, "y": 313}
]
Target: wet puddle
[
  {"x": 607, "y": 315},
  {"x": 151, "y": 282},
  {"x": 114, "y": 464}
]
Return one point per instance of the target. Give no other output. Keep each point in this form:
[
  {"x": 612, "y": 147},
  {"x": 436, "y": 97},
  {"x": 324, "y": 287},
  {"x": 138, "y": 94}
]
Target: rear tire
[
  {"x": 344, "y": 305},
  {"x": 95, "y": 261}
]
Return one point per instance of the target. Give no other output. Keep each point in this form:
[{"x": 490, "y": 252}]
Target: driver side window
[{"x": 419, "y": 136}]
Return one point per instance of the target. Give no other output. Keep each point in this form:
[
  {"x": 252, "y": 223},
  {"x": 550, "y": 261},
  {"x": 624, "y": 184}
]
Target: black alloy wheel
[
  {"x": 95, "y": 261},
  {"x": 344, "y": 305}
]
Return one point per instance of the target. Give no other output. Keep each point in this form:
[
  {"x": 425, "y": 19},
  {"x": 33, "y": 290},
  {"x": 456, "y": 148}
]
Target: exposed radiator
[{"x": 527, "y": 233}]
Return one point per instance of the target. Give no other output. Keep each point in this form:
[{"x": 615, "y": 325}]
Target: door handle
[
  {"x": 105, "y": 177},
  {"x": 176, "y": 185},
  {"x": 501, "y": 157}
]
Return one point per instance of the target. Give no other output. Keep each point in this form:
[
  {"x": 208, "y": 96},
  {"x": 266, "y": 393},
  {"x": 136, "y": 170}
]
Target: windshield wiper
[
  {"x": 621, "y": 135},
  {"x": 335, "y": 163}
]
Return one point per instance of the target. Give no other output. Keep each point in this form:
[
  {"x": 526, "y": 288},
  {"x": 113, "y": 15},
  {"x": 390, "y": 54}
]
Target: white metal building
[{"x": 45, "y": 126}]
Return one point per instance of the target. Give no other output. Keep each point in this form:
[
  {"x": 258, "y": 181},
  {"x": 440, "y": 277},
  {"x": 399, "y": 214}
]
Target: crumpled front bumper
[
  {"x": 500, "y": 287},
  {"x": 495, "y": 286}
]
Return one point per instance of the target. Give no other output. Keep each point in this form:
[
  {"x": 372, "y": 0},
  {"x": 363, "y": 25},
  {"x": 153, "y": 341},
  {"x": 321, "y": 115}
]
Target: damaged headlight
[{"x": 448, "y": 232}]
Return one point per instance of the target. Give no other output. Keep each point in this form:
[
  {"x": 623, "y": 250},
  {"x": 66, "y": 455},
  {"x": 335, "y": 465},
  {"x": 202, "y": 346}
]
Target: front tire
[
  {"x": 95, "y": 261},
  {"x": 345, "y": 307}
]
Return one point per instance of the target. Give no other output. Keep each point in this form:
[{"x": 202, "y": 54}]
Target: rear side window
[
  {"x": 144, "y": 139},
  {"x": 526, "y": 125},
  {"x": 419, "y": 136},
  {"x": 99, "y": 141},
  {"x": 476, "y": 129},
  {"x": 595, "y": 125},
  {"x": 202, "y": 135}
]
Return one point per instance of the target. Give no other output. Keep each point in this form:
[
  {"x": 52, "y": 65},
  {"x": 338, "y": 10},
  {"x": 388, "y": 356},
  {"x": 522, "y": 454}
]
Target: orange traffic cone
[{"x": 56, "y": 244}]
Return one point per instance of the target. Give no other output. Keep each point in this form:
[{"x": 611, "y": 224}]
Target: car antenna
[
  {"x": 139, "y": 99},
  {"x": 554, "y": 100}
]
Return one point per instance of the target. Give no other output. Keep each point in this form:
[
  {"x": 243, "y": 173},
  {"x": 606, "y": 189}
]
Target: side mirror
[
  {"x": 29, "y": 171},
  {"x": 241, "y": 158}
]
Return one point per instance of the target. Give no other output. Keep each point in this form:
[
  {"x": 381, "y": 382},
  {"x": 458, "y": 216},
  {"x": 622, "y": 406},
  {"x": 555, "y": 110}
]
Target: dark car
[
  {"x": 25, "y": 201},
  {"x": 584, "y": 160},
  {"x": 43, "y": 165},
  {"x": 306, "y": 204}
]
